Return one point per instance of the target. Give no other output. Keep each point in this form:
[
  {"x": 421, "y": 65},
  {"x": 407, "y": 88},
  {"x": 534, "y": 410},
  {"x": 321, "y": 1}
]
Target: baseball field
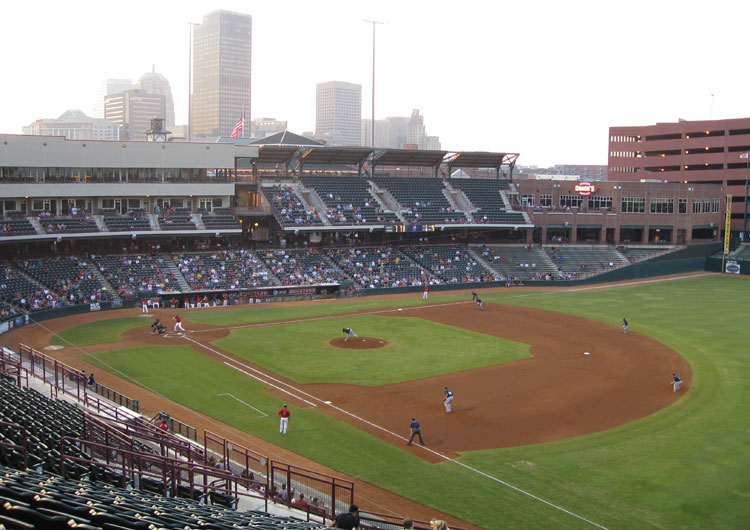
[{"x": 541, "y": 435}]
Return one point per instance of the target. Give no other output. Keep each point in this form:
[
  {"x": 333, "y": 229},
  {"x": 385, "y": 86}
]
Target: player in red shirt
[
  {"x": 284, "y": 414},
  {"x": 178, "y": 322},
  {"x": 426, "y": 292}
]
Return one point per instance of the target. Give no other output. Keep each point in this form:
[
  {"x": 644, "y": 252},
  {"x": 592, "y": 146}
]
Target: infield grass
[
  {"x": 683, "y": 467},
  {"x": 415, "y": 349},
  {"x": 99, "y": 332}
]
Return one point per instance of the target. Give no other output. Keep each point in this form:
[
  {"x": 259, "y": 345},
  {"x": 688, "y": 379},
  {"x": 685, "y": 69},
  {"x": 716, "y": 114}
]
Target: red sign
[{"x": 585, "y": 188}]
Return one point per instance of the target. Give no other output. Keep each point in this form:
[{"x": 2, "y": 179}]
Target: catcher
[{"x": 448, "y": 399}]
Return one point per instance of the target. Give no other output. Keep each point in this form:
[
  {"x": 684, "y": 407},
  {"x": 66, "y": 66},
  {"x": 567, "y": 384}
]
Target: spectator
[
  {"x": 437, "y": 524},
  {"x": 92, "y": 381},
  {"x": 348, "y": 520}
]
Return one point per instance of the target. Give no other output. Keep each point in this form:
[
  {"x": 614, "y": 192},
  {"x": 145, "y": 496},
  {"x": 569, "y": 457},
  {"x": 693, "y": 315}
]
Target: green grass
[
  {"x": 683, "y": 467},
  {"x": 416, "y": 349},
  {"x": 98, "y": 332}
]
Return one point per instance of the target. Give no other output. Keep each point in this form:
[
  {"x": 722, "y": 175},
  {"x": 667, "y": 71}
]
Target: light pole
[{"x": 372, "y": 133}]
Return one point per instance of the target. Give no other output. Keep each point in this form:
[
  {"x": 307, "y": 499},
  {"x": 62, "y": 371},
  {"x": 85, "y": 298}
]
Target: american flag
[{"x": 238, "y": 128}]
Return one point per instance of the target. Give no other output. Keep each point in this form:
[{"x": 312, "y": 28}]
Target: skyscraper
[
  {"x": 107, "y": 88},
  {"x": 222, "y": 46},
  {"x": 155, "y": 83},
  {"x": 338, "y": 113},
  {"x": 132, "y": 110}
]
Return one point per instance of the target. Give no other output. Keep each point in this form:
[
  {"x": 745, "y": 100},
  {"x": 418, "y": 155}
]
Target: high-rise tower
[
  {"x": 222, "y": 46},
  {"x": 338, "y": 113}
]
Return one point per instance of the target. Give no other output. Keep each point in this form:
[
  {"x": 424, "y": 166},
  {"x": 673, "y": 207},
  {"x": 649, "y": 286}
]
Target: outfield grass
[
  {"x": 683, "y": 467},
  {"x": 416, "y": 349},
  {"x": 98, "y": 332}
]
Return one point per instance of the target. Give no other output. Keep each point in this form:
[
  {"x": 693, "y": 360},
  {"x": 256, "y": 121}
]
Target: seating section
[
  {"x": 38, "y": 492},
  {"x": 15, "y": 226},
  {"x": 301, "y": 266},
  {"x": 131, "y": 274},
  {"x": 47, "y": 422},
  {"x": 55, "y": 225},
  {"x": 373, "y": 267},
  {"x": 289, "y": 207},
  {"x": 485, "y": 195},
  {"x": 16, "y": 289},
  {"x": 450, "y": 263},
  {"x": 579, "y": 260},
  {"x": 238, "y": 269},
  {"x": 422, "y": 199},
  {"x": 46, "y": 501},
  {"x": 67, "y": 276},
  {"x": 217, "y": 221},
  {"x": 348, "y": 201},
  {"x": 176, "y": 221},
  {"x": 634, "y": 254},
  {"x": 519, "y": 262},
  {"x": 125, "y": 223}
]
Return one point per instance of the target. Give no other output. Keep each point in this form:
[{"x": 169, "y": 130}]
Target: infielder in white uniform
[{"x": 448, "y": 399}]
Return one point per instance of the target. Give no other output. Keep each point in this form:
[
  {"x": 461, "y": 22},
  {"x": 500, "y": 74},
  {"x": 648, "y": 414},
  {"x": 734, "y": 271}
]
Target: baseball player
[
  {"x": 144, "y": 306},
  {"x": 178, "y": 323},
  {"x": 676, "y": 381},
  {"x": 349, "y": 332},
  {"x": 415, "y": 431},
  {"x": 284, "y": 415},
  {"x": 474, "y": 296},
  {"x": 426, "y": 293},
  {"x": 624, "y": 325},
  {"x": 480, "y": 304},
  {"x": 448, "y": 399}
]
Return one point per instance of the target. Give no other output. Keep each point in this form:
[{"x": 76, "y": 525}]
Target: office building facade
[
  {"x": 338, "y": 113},
  {"x": 132, "y": 110},
  {"x": 222, "y": 49}
]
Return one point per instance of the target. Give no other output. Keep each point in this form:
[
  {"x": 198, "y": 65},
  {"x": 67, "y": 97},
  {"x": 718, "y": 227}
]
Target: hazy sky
[{"x": 545, "y": 79}]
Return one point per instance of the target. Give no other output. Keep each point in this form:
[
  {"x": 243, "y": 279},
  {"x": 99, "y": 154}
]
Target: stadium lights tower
[{"x": 372, "y": 139}]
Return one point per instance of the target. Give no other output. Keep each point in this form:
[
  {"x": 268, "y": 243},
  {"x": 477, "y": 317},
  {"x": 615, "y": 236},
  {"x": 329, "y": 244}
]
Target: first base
[{"x": 587, "y": 353}]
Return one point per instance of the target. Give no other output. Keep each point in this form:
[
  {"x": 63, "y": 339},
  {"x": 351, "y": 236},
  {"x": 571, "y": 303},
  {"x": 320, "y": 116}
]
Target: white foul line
[
  {"x": 378, "y": 427},
  {"x": 246, "y": 404}
]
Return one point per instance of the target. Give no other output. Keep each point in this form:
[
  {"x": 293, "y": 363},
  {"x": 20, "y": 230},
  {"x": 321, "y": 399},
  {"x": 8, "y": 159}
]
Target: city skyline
[{"x": 545, "y": 80}]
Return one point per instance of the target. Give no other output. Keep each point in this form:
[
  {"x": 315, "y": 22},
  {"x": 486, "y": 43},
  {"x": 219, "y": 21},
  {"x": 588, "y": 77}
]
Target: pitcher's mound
[{"x": 358, "y": 343}]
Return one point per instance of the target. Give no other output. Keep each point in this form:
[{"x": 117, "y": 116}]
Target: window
[
  {"x": 682, "y": 206},
  {"x": 545, "y": 200},
  {"x": 633, "y": 205},
  {"x": 697, "y": 206},
  {"x": 134, "y": 204},
  {"x": 662, "y": 205},
  {"x": 571, "y": 201},
  {"x": 717, "y": 206},
  {"x": 706, "y": 205},
  {"x": 527, "y": 200},
  {"x": 600, "y": 203},
  {"x": 40, "y": 205},
  {"x": 10, "y": 206}
]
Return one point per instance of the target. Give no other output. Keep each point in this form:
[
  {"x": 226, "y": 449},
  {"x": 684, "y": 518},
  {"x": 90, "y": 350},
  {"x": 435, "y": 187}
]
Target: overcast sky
[{"x": 544, "y": 79}]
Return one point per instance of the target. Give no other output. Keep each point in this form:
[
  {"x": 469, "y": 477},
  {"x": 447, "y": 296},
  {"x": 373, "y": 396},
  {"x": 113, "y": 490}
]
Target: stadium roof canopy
[
  {"x": 276, "y": 154},
  {"x": 480, "y": 159},
  {"x": 334, "y": 155},
  {"x": 285, "y": 138},
  {"x": 409, "y": 157}
]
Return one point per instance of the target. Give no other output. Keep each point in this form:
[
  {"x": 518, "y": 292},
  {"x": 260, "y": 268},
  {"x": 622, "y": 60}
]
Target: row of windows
[
  {"x": 627, "y": 204},
  {"x": 679, "y": 136},
  {"x": 739, "y": 149}
]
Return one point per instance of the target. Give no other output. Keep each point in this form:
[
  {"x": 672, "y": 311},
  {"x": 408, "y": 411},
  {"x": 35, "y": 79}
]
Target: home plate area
[{"x": 358, "y": 343}]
